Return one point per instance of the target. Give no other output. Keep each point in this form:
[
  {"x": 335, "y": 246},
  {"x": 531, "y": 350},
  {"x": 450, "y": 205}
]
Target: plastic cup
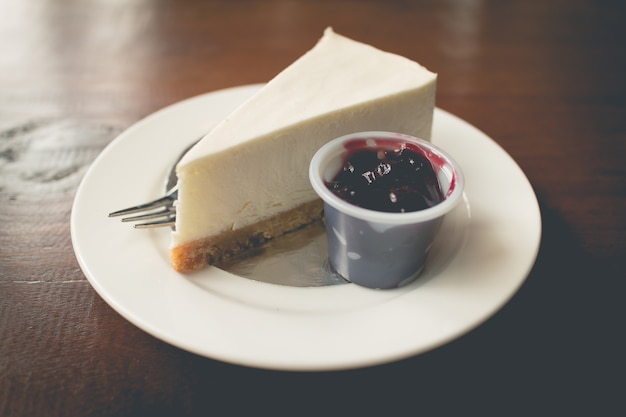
[{"x": 378, "y": 249}]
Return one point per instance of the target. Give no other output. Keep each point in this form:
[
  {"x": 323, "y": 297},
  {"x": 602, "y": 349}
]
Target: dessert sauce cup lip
[{"x": 335, "y": 147}]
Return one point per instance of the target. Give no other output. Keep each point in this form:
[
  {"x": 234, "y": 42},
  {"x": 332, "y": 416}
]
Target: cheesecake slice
[{"x": 247, "y": 180}]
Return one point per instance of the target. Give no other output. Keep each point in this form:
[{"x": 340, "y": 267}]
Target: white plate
[{"x": 491, "y": 244}]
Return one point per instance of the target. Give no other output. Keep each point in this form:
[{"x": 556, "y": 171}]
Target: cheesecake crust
[{"x": 220, "y": 248}]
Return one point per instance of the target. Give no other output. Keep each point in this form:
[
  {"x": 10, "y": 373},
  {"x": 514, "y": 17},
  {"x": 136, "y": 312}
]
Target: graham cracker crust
[{"x": 196, "y": 255}]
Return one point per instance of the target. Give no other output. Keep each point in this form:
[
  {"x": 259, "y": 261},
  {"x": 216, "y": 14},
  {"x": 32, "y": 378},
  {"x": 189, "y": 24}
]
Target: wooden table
[{"x": 546, "y": 80}]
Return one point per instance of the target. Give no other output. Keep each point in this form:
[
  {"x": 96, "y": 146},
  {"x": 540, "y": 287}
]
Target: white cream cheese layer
[{"x": 254, "y": 164}]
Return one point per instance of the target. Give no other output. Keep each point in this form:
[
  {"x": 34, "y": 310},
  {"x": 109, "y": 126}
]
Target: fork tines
[{"x": 162, "y": 211}]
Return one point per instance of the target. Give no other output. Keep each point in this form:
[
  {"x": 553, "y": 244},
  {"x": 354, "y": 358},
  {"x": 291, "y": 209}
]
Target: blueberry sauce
[{"x": 393, "y": 179}]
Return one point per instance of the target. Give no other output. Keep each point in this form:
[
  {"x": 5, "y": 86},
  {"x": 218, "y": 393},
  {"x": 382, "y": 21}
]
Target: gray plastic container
[{"x": 378, "y": 249}]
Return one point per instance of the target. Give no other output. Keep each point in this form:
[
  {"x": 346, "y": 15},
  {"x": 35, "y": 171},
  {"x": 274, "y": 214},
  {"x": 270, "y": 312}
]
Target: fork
[{"x": 166, "y": 216}]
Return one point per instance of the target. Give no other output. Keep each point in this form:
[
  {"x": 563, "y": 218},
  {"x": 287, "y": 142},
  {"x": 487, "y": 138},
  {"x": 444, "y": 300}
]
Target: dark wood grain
[{"x": 546, "y": 80}]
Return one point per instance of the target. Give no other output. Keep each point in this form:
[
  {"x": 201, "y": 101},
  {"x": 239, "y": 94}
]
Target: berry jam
[{"x": 396, "y": 180}]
